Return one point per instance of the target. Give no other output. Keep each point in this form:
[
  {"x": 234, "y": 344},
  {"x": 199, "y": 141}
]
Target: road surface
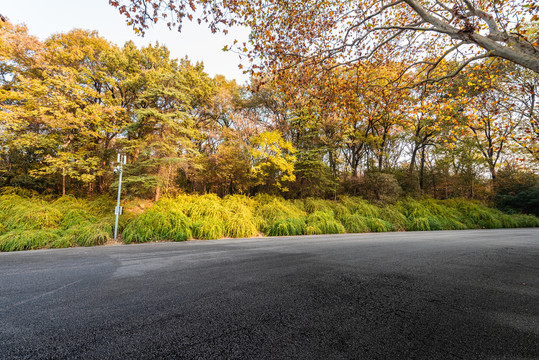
[{"x": 413, "y": 295}]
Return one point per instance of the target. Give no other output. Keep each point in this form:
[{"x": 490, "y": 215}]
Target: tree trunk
[
  {"x": 412, "y": 161},
  {"x": 493, "y": 174},
  {"x": 422, "y": 169},
  {"x": 63, "y": 181}
]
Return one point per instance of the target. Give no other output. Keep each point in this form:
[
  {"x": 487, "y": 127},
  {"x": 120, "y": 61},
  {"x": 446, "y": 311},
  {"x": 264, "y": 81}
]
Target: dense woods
[{"x": 69, "y": 104}]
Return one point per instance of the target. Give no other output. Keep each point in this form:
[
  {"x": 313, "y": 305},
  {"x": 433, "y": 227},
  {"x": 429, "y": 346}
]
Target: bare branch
[{"x": 492, "y": 26}]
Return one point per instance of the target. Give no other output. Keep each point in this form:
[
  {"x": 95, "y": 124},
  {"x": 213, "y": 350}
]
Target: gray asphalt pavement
[{"x": 414, "y": 295}]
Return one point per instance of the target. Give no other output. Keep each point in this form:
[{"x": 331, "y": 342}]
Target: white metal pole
[{"x": 118, "y": 208}]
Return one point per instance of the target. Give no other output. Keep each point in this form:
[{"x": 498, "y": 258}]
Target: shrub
[
  {"x": 517, "y": 191},
  {"x": 380, "y": 187}
]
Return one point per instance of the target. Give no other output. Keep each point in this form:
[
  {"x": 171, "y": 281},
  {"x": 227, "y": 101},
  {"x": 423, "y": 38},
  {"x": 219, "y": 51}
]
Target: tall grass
[
  {"x": 155, "y": 225},
  {"x": 322, "y": 222},
  {"x": 29, "y": 221},
  {"x": 354, "y": 223}
]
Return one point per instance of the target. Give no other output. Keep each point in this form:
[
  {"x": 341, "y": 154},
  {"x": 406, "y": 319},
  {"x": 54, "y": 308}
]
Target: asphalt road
[{"x": 414, "y": 295}]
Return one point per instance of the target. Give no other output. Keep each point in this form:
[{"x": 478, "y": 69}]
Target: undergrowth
[{"x": 29, "y": 221}]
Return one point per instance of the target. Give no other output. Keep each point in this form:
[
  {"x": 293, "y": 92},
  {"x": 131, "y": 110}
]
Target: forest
[{"x": 310, "y": 142}]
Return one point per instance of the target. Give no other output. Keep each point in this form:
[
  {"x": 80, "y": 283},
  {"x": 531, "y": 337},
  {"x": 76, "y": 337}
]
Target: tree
[
  {"x": 160, "y": 137},
  {"x": 420, "y": 33},
  {"x": 54, "y": 110},
  {"x": 518, "y": 88},
  {"x": 273, "y": 160}
]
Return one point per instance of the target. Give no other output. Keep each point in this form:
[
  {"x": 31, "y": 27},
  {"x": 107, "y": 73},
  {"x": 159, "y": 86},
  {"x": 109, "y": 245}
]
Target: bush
[
  {"x": 517, "y": 191},
  {"x": 380, "y": 187}
]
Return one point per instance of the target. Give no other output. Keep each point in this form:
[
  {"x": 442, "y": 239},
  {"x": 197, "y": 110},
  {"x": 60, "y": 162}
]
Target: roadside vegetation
[
  {"x": 29, "y": 221},
  {"x": 295, "y": 152}
]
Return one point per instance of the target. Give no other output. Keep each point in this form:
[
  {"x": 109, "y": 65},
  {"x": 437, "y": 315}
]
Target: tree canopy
[
  {"x": 420, "y": 34},
  {"x": 70, "y": 103}
]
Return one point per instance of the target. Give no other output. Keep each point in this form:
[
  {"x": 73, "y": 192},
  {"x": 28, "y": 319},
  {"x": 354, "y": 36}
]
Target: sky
[{"x": 47, "y": 17}]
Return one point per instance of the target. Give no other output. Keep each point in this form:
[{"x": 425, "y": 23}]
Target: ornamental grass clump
[
  {"x": 87, "y": 234},
  {"x": 17, "y": 240},
  {"x": 241, "y": 221},
  {"x": 209, "y": 229},
  {"x": 523, "y": 220},
  {"x": 155, "y": 225},
  {"x": 320, "y": 222},
  {"x": 356, "y": 205},
  {"x": 422, "y": 215},
  {"x": 393, "y": 216},
  {"x": 286, "y": 227},
  {"x": 483, "y": 218},
  {"x": 36, "y": 214},
  {"x": 238, "y": 226},
  {"x": 354, "y": 223},
  {"x": 76, "y": 217},
  {"x": 206, "y": 206},
  {"x": 418, "y": 224},
  {"x": 318, "y": 205},
  {"x": 339, "y": 210},
  {"x": 281, "y": 212},
  {"x": 378, "y": 225}
]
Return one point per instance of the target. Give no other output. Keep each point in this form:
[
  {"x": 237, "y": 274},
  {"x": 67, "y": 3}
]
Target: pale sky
[{"x": 46, "y": 17}]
